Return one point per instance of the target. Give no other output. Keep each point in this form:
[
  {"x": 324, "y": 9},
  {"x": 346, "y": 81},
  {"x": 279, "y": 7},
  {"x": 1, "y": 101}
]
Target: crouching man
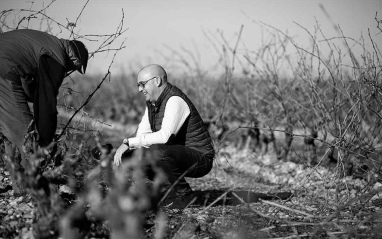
[{"x": 173, "y": 131}]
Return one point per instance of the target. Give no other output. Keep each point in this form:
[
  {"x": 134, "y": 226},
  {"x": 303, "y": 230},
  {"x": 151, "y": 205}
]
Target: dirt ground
[{"x": 306, "y": 214}]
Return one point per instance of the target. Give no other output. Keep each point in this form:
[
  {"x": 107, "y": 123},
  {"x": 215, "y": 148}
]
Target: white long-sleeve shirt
[{"x": 175, "y": 114}]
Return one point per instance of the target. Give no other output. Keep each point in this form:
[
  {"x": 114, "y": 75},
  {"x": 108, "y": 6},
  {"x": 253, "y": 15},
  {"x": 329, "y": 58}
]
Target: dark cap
[{"x": 82, "y": 53}]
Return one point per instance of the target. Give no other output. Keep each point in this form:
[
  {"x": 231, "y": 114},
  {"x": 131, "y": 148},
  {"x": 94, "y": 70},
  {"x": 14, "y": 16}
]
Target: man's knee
[{"x": 159, "y": 152}]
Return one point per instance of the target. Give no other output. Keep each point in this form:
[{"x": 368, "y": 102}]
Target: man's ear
[{"x": 159, "y": 81}]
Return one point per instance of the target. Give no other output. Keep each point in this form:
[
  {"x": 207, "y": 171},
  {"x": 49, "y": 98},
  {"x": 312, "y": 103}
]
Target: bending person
[{"x": 33, "y": 65}]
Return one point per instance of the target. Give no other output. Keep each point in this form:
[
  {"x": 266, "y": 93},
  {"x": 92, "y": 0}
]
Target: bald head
[
  {"x": 150, "y": 71},
  {"x": 151, "y": 81}
]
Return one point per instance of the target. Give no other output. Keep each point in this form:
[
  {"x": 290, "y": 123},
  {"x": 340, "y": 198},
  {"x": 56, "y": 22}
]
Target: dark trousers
[
  {"x": 15, "y": 117},
  {"x": 15, "y": 114},
  {"x": 176, "y": 160}
]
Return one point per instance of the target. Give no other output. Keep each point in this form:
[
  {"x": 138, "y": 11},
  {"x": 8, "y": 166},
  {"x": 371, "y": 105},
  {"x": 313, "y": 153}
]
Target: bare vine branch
[{"x": 107, "y": 75}]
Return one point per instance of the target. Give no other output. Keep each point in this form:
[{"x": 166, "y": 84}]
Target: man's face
[
  {"x": 147, "y": 86},
  {"x": 74, "y": 65}
]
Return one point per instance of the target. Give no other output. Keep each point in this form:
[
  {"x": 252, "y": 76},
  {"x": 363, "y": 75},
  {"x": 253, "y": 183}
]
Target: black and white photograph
[{"x": 180, "y": 119}]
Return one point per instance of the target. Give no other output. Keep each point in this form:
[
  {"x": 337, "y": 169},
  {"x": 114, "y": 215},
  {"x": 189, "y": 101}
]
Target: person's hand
[
  {"x": 49, "y": 150},
  {"x": 118, "y": 154}
]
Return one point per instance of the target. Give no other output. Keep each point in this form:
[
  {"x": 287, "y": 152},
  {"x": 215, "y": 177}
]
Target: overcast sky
[{"x": 156, "y": 28}]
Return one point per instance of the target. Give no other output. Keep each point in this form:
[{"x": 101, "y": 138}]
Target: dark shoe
[
  {"x": 182, "y": 201},
  {"x": 5, "y": 189}
]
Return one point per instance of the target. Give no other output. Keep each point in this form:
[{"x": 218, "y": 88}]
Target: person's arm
[
  {"x": 50, "y": 76},
  {"x": 175, "y": 114},
  {"x": 143, "y": 128}
]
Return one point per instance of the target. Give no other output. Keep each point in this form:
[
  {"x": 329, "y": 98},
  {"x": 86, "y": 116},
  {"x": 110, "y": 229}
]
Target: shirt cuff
[{"x": 135, "y": 142}]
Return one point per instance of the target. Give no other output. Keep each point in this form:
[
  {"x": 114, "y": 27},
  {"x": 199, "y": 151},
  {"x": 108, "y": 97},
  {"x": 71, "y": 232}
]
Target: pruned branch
[{"x": 107, "y": 75}]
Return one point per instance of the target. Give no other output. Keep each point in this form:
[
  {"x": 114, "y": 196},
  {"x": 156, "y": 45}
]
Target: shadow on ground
[{"x": 236, "y": 197}]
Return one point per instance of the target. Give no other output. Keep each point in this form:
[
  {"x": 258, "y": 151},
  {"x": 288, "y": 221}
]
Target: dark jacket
[
  {"x": 37, "y": 61},
  {"x": 20, "y": 52},
  {"x": 192, "y": 134}
]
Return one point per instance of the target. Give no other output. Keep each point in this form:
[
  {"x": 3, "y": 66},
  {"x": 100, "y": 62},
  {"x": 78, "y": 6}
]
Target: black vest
[
  {"x": 20, "y": 52},
  {"x": 192, "y": 134}
]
